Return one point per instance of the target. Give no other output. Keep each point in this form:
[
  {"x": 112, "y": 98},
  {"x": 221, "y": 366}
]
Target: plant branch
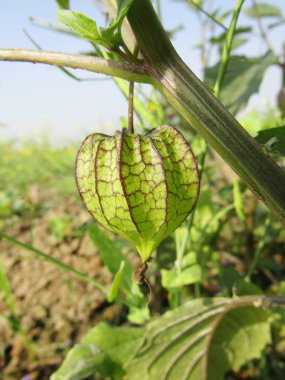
[
  {"x": 128, "y": 71},
  {"x": 204, "y": 112},
  {"x": 211, "y": 17},
  {"x": 227, "y": 49}
]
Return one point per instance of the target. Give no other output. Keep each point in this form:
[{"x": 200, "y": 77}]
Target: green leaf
[
  {"x": 110, "y": 253},
  {"x": 242, "y": 79},
  {"x": 273, "y": 139},
  {"x": 116, "y": 283},
  {"x": 263, "y": 10},
  {"x": 276, "y": 24},
  {"x": 122, "y": 9},
  {"x": 222, "y": 36},
  {"x": 166, "y": 252},
  {"x": 113, "y": 258},
  {"x": 190, "y": 273},
  {"x": 201, "y": 340},
  {"x": 112, "y": 32},
  {"x": 238, "y": 200},
  {"x": 6, "y": 289},
  {"x": 79, "y": 23},
  {"x": 63, "y": 4},
  {"x": 82, "y": 25},
  {"x": 172, "y": 280},
  {"x": 238, "y": 38},
  {"x": 104, "y": 349}
]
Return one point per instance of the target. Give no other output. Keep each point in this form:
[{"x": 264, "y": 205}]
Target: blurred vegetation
[{"x": 30, "y": 166}]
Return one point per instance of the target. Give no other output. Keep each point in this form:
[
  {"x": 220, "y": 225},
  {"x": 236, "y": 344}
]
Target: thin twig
[{"x": 202, "y": 10}]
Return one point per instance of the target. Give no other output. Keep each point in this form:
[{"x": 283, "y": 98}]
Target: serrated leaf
[
  {"x": 263, "y": 10},
  {"x": 82, "y": 25},
  {"x": 242, "y": 79},
  {"x": 104, "y": 349},
  {"x": 79, "y": 23},
  {"x": 201, "y": 340},
  {"x": 273, "y": 139}
]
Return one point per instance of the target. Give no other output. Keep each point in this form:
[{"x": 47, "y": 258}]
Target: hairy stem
[
  {"x": 128, "y": 71},
  {"x": 204, "y": 112}
]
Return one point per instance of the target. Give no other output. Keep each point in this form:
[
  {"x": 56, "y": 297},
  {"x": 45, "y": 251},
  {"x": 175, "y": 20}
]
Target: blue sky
[{"x": 40, "y": 97}]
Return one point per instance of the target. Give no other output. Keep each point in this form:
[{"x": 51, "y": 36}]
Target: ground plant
[{"x": 191, "y": 253}]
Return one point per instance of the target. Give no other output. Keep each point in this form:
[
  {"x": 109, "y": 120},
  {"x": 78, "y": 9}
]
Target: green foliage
[
  {"x": 5, "y": 204},
  {"x": 257, "y": 120},
  {"x": 242, "y": 79},
  {"x": 273, "y": 140},
  {"x": 104, "y": 349},
  {"x": 201, "y": 340},
  {"x": 188, "y": 273},
  {"x": 122, "y": 9},
  {"x": 237, "y": 42},
  {"x": 116, "y": 283},
  {"x": 123, "y": 275},
  {"x": 5, "y": 289},
  {"x": 85, "y": 27},
  {"x": 82, "y": 25},
  {"x": 63, "y": 4},
  {"x": 263, "y": 10},
  {"x": 28, "y": 171},
  {"x": 36, "y": 161},
  {"x": 60, "y": 225},
  {"x": 238, "y": 202}
]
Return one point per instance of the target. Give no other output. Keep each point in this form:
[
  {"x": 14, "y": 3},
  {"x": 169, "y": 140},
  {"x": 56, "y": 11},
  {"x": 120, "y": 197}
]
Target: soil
[{"x": 55, "y": 308}]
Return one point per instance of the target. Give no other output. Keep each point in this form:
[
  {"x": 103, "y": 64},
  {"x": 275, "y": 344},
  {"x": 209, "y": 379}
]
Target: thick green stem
[
  {"x": 128, "y": 71},
  {"x": 204, "y": 112}
]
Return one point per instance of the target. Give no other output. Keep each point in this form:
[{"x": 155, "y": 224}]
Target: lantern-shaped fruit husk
[{"x": 142, "y": 187}]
